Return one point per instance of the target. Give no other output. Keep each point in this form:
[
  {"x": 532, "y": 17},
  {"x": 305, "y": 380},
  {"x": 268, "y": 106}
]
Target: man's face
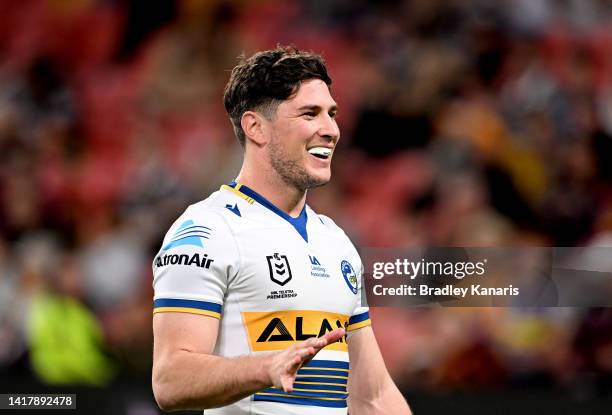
[{"x": 303, "y": 136}]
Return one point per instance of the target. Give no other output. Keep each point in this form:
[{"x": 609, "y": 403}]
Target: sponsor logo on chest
[
  {"x": 316, "y": 269},
  {"x": 277, "y": 330}
]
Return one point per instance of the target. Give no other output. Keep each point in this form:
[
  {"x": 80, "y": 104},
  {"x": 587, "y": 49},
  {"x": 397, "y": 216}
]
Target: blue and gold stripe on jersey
[
  {"x": 205, "y": 308},
  {"x": 358, "y": 321},
  {"x": 235, "y": 188},
  {"x": 318, "y": 383},
  {"x": 251, "y": 196}
]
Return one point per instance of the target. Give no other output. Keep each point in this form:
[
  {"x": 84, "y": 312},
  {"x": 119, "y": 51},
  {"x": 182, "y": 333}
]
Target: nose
[{"x": 329, "y": 128}]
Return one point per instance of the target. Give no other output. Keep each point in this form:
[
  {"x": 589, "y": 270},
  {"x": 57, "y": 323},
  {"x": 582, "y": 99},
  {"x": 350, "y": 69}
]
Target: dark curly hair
[{"x": 261, "y": 82}]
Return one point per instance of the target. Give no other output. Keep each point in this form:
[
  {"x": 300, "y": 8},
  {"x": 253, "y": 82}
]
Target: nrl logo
[{"x": 280, "y": 271}]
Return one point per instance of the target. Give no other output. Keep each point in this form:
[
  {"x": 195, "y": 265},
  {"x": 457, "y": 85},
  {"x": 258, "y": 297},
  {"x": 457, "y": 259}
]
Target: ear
[{"x": 254, "y": 127}]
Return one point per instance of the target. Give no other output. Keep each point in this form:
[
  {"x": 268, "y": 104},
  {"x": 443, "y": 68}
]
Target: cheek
[
  {"x": 299, "y": 136},
  {"x": 302, "y": 130},
  {"x": 292, "y": 138},
  {"x": 287, "y": 148}
]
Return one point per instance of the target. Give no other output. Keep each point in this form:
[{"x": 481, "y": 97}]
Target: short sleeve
[
  {"x": 197, "y": 259},
  {"x": 360, "y": 317}
]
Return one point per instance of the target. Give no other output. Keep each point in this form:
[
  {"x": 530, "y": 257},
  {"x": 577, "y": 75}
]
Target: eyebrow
[{"x": 317, "y": 107}]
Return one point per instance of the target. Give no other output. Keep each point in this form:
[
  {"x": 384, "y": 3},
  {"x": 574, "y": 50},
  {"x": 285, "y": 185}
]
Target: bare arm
[
  {"x": 187, "y": 376},
  {"x": 371, "y": 389}
]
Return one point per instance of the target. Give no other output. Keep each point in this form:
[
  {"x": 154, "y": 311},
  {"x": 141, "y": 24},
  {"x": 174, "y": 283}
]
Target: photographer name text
[{"x": 432, "y": 273}]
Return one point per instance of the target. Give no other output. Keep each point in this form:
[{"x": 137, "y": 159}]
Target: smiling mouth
[{"x": 322, "y": 153}]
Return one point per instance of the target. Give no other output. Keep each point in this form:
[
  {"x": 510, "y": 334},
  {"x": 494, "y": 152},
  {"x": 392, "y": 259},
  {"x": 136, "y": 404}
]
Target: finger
[
  {"x": 300, "y": 357},
  {"x": 311, "y": 342},
  {"x": 305, "y": 352},
  {"x": 287, "y": 384},
  {"x": 331, "y": 337},
  {"x": 319, "y": 342}
]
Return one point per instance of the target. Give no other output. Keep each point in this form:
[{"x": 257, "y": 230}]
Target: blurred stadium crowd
[{"x": 465, "y": 123}]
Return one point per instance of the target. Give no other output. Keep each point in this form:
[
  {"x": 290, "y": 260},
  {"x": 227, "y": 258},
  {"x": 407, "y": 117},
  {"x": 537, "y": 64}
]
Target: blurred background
[{"x": 464, "y": 123}]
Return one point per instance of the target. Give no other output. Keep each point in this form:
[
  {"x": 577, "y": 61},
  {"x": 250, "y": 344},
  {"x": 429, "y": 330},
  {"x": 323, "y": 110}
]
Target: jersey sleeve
[
  {"x": 196, "y": 262},
  {"x": 360, "y": 317}
]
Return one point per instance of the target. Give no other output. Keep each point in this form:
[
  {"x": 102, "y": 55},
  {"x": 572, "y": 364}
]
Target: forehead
[{"x": 312, "y": 92}]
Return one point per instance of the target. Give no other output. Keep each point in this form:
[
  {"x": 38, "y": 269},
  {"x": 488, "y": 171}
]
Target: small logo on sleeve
[
  {"x": 183, "y": 259},
  {"x": 188, "y": 234}
]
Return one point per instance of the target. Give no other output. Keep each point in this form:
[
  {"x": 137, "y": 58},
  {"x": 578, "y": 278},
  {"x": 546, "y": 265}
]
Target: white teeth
[{"x": 320, "y": 151}]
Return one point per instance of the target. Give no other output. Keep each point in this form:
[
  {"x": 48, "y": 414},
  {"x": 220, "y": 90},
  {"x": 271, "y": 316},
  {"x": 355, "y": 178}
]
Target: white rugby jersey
[{"x": 272, "y": 280}]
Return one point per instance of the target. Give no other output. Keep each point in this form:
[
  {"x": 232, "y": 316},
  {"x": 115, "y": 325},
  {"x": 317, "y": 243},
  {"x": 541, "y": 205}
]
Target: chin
[{"x": 317, "y": 180}]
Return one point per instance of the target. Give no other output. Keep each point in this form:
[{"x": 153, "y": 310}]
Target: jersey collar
[{"x": 247, "y": 193}]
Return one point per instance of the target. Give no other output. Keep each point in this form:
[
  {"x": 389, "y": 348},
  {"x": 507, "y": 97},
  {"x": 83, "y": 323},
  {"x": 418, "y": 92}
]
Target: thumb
[{"x": 287, "y": 384}]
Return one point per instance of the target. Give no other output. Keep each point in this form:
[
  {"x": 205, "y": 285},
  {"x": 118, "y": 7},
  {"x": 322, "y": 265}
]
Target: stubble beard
[{"x": 292, "y": 172}]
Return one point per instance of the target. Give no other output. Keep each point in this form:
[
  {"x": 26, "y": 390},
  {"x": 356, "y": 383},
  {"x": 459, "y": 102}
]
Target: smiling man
[{"x": 258, "y": 303}]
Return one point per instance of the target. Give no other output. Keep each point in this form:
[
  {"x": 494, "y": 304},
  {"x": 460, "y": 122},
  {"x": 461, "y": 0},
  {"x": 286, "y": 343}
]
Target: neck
[{"x": 268, "y": 184}]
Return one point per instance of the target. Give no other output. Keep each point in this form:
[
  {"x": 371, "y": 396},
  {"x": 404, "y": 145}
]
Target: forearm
[
  {"x": 191, "y": 380},
  {"x": 371, "y": 389},
  {"x": 384, "y": 398},
  {"x": 186, "y": 375}
]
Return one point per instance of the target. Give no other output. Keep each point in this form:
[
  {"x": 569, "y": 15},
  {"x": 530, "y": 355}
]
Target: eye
[
  {"x": 309, "y": 114},
  {"x": 333, "y": 115}
]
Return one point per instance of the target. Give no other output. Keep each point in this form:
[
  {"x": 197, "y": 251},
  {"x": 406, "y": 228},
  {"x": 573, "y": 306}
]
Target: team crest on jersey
[
  {"x": 349, "y": 275},
  {"x": 280, "y": 271}
]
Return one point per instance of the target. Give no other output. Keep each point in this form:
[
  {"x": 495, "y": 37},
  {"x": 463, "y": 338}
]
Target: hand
[{"x": 284, "y": 365}]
